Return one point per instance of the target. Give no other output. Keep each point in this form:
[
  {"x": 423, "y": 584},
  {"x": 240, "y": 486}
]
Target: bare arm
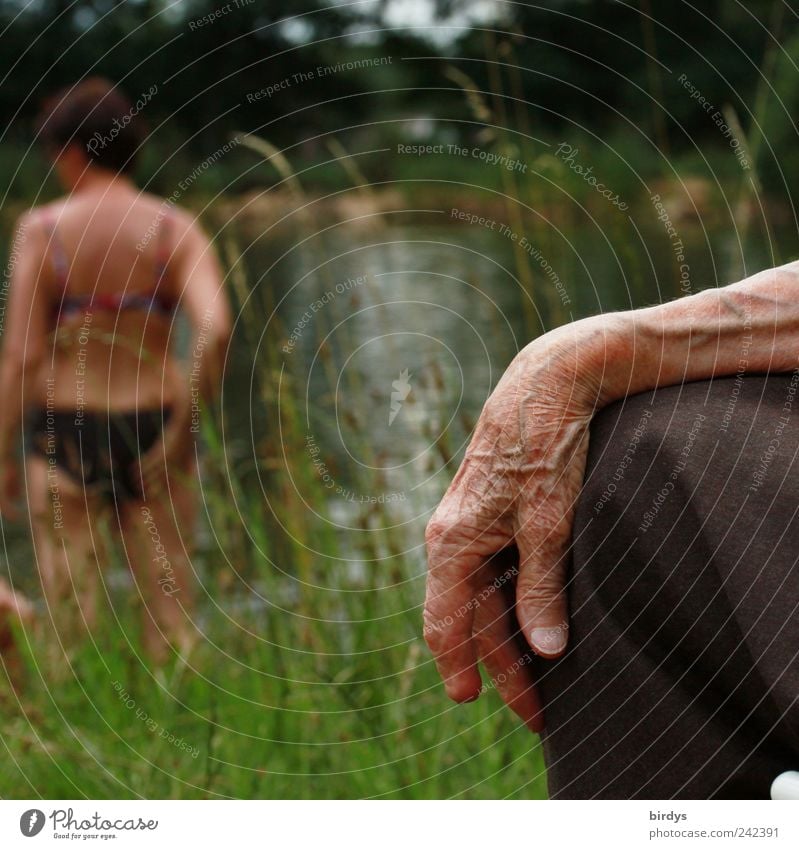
[
  {"x": 203, "y": 298},
  {"x": 750, "y": 326},
  {"x": 25, "y": 329},
  {"x": 523, "y": 470},
  {"x": 199, "y": 284}
]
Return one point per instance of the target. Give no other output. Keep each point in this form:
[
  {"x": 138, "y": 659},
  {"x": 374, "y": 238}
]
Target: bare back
[{"x": 106, "y": 248}]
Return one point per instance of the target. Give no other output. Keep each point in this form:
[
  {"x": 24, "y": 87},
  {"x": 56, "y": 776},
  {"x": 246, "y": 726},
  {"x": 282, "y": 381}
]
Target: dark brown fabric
[{"x": 682, "y": 677}]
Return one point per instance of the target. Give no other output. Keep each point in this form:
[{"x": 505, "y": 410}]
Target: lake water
[
  {"x": 389, "y": 340},
  {"x": 434, "y": 314}
]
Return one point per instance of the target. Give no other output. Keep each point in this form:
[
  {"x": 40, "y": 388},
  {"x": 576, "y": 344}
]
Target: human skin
[
  {"x": 523, "y": 470},
  {"x": 126, "y": 364}
]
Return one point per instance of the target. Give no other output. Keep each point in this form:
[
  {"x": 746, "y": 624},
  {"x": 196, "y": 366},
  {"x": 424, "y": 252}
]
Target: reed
[{"x": 311, "y": 679}]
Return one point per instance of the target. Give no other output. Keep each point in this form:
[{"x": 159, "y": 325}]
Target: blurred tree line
[{"x": 602, "y": 65}]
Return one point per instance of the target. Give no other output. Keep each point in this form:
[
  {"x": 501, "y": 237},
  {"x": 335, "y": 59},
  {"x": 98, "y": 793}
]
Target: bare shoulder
[
  {"x": 181, "y": 219},
  {"x": 186, "y": 223},
  {"x": 37, "y": 216},
  {"x": 188, "y": 236},
  {"x": 30, "y": 228}
]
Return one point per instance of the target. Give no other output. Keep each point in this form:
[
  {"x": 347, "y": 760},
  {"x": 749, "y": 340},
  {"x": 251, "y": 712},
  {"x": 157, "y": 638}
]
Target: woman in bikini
[{"x": 88, "y": 379}]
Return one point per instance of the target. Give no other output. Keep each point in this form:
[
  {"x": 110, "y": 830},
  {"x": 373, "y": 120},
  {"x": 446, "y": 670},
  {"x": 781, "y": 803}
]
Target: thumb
[{"x": 541, "y": 606}]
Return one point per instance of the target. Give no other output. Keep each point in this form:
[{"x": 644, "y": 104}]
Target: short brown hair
[{"x": 97, "y": 116}]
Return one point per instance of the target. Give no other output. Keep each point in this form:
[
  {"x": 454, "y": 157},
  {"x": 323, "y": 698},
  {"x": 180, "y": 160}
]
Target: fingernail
[{"x": 548, "y": 641}]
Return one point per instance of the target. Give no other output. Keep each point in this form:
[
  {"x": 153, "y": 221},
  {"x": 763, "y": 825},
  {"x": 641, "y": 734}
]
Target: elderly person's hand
[
  {"x": 517, "y": 486},
  {"x": 524, "y": 468}
]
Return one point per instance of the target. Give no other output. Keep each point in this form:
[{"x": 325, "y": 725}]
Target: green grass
[
  {"x": 322, "y": 689},
  {"x": 311, "y": 679},
  {"x": 258, "y": 734}
]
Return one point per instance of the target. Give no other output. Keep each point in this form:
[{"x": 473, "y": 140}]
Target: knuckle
[
  {"x": 536, "y": 596},
  {"x": 447, "y": 530},
  {"x": 537, "y": 587},
  {"x": 478, "y": 528},
  {"x": 433, "y": 639},
  {"x": 436, "y": 632},
  {"x": 550, "y": 521},
  {"x": 435, "y": 529}
]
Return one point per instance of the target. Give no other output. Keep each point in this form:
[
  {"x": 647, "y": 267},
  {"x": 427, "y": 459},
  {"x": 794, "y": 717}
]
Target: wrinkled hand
[{"x": 517, "y": 486}]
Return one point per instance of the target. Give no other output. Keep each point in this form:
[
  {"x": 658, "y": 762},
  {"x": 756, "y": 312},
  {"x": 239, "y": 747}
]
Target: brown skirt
[{"x": 682, "y": 676}]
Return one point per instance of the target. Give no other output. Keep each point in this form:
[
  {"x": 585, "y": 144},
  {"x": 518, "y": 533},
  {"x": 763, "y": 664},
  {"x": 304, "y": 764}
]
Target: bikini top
[{"x": 152, "y": 301}]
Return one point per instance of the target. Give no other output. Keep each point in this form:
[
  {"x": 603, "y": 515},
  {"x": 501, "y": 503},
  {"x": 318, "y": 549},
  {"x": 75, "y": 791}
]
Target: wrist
[
  {"x": 606, "y": 352},
  {"x": 662, "y": 345}
]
